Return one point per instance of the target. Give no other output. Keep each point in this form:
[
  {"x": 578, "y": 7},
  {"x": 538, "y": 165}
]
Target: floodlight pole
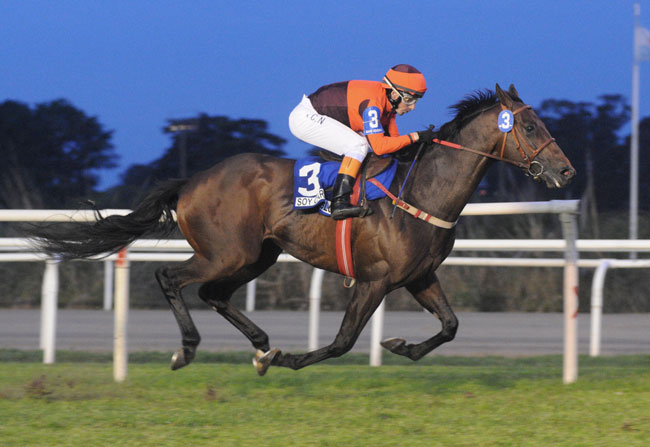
[
  {"x": 634, "y": 141},
  {"x": 182, "y": 126}
]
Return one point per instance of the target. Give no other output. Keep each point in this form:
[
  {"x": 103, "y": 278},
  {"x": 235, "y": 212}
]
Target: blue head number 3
[{"x": 506, "y": 121}]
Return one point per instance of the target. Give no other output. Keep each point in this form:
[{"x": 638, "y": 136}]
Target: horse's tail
[{"x": 75, "y": 240}]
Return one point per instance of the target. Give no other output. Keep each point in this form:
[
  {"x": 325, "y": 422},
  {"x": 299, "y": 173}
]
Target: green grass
[{"x": 219, "y": 400}]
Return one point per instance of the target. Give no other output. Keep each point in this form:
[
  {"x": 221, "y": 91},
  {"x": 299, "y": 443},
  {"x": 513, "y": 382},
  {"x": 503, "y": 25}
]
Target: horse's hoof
[
  {"x": 395, "y": 345},
  {"x": 178, "y": 360},
  {"x": 262, "y": 360}
]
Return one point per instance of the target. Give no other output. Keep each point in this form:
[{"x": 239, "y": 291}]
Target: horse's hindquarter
[
  {"x": 223, "y": 209},
  {"x": 307, "y": 236}
]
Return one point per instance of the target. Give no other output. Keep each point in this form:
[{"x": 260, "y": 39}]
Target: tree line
[{"x": 54, "y": 153}]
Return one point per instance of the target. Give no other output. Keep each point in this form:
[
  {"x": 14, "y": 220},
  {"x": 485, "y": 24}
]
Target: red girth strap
[{"x": 343, "y": 238}]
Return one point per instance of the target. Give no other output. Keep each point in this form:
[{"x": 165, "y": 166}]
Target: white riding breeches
[{"x": 325, "y": 132}]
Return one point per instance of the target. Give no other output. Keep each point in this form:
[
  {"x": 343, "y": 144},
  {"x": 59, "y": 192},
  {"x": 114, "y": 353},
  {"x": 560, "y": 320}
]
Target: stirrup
[{"x": 348, "y": 211}]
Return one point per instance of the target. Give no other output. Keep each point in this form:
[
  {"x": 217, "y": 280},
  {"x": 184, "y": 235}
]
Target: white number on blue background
[
  {"x": 311, "y": 172},
  {"x": 374, "y": 118},
  {"x": 371, "y": 122},
  {"x": 506, "y": 121}
]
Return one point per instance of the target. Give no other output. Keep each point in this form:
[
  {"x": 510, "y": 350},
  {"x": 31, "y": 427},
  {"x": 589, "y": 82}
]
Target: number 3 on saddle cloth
[{"x": 313, "y": 181}]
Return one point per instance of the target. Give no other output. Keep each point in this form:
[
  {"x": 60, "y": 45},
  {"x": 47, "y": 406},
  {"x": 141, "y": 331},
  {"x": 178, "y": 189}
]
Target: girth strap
[{"x": 343, "y": 240}]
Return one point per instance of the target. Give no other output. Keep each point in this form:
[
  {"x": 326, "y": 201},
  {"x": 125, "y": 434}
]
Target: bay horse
[{"x": 238, "y": 218}]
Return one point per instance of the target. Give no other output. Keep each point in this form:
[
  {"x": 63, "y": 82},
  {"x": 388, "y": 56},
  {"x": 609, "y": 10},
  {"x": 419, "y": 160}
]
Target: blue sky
[{"x": 135, "y": 64}]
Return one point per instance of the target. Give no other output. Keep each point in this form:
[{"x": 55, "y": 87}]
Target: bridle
[{"x": 533, "y": 168}]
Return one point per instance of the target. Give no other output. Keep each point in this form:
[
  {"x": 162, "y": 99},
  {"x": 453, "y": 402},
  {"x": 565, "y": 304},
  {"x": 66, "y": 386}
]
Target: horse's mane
[
  {"x": 470, "y": 106},
  {"x": 466, "y": 109}
]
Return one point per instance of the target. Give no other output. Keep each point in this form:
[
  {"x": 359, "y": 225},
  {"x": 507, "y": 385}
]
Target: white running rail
[{"x": 15, "y": 249}]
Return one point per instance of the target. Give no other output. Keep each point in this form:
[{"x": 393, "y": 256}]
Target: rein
[
  {"x": 529, "y": 162},
  {"x": 395, "y": 201}
]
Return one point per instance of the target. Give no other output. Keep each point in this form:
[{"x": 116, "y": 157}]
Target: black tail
[{"x": 110, "y": 234}]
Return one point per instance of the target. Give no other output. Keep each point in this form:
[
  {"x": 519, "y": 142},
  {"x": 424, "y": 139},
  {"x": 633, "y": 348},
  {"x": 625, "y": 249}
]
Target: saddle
[{"x": 372, "y": 166}]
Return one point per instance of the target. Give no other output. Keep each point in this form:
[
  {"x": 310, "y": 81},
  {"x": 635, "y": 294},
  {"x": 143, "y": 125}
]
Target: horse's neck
[{"x": 450, "y": 176}]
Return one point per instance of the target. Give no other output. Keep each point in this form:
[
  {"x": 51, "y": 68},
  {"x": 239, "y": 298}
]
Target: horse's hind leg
[
  {"x": 172, "y": 280},
  {"x": 428, "y": 292},
  {"x": 217, "y": 294}
]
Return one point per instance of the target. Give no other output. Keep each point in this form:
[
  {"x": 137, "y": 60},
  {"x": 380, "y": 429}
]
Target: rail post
[
  {"x": 120, "y": 352},
  {"x": 251, "y": 290},
  {"x": 570, "y": 363},
  {"x": 49, "y": 305},
  {"x": 597, "y": 307},
  {"x": 376, "y": 334},
  {"x": 315, "y": 294},
  {"x": 109, "y": 272}
]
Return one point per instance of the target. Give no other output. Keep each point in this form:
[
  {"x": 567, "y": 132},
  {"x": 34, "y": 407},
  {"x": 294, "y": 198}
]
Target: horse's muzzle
[{"x": 556, "y": 179}]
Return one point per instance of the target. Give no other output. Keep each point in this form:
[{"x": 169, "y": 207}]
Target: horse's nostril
[{"x": 568, "y": 173}]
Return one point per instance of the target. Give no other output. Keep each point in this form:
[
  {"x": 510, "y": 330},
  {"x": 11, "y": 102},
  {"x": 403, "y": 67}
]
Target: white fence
[{"x": 178, "y": 250}]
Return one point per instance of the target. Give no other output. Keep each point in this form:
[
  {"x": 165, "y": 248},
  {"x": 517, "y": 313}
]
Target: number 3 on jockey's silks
[
  {"x": 371, "y": 122},
  {"x": 374, "y": 118},
  {"x": 310, "y": 172}
]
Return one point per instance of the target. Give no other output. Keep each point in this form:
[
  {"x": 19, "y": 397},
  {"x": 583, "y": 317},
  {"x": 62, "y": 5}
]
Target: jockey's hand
[{"x": 427, "y": 136}]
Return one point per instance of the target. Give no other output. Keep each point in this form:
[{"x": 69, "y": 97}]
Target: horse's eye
[{"x": 529, "y": 128}]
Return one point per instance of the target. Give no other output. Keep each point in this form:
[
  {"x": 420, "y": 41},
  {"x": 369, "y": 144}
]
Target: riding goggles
[{"x": 407, "y": 98}]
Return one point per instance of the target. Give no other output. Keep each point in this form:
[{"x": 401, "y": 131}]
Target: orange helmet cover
[{"x": 407, "y": 78}]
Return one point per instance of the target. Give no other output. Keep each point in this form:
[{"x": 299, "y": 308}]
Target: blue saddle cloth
[{"x": 312, "y": 176}]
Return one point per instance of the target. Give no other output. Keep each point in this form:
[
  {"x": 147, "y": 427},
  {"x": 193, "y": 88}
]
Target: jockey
[{"x": 349, "y": 118}]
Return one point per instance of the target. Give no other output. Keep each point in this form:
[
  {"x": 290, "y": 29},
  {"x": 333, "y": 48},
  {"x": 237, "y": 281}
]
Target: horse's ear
[
  {"x": 504, "y": 98},
  {"x": 513, "y": 91}
]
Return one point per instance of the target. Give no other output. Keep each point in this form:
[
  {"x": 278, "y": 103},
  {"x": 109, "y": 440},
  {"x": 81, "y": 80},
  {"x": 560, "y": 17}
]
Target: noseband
[{"x": 532, "y": 167}]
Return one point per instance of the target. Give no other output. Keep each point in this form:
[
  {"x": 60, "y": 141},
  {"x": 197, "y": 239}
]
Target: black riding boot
[{"x": 341, "y": 207}]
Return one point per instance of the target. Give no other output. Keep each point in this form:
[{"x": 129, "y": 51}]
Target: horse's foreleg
[
  {"x": 365, "y": 301},
  {"x": 170, "y": 282},
  {"x": 428, "y": 292}
]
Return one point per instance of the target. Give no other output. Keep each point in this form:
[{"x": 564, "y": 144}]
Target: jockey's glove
[{"x": 427, "y": 136}]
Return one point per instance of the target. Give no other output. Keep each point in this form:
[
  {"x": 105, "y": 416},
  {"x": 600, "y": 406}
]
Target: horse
[{"x": 238, "y": 217}]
